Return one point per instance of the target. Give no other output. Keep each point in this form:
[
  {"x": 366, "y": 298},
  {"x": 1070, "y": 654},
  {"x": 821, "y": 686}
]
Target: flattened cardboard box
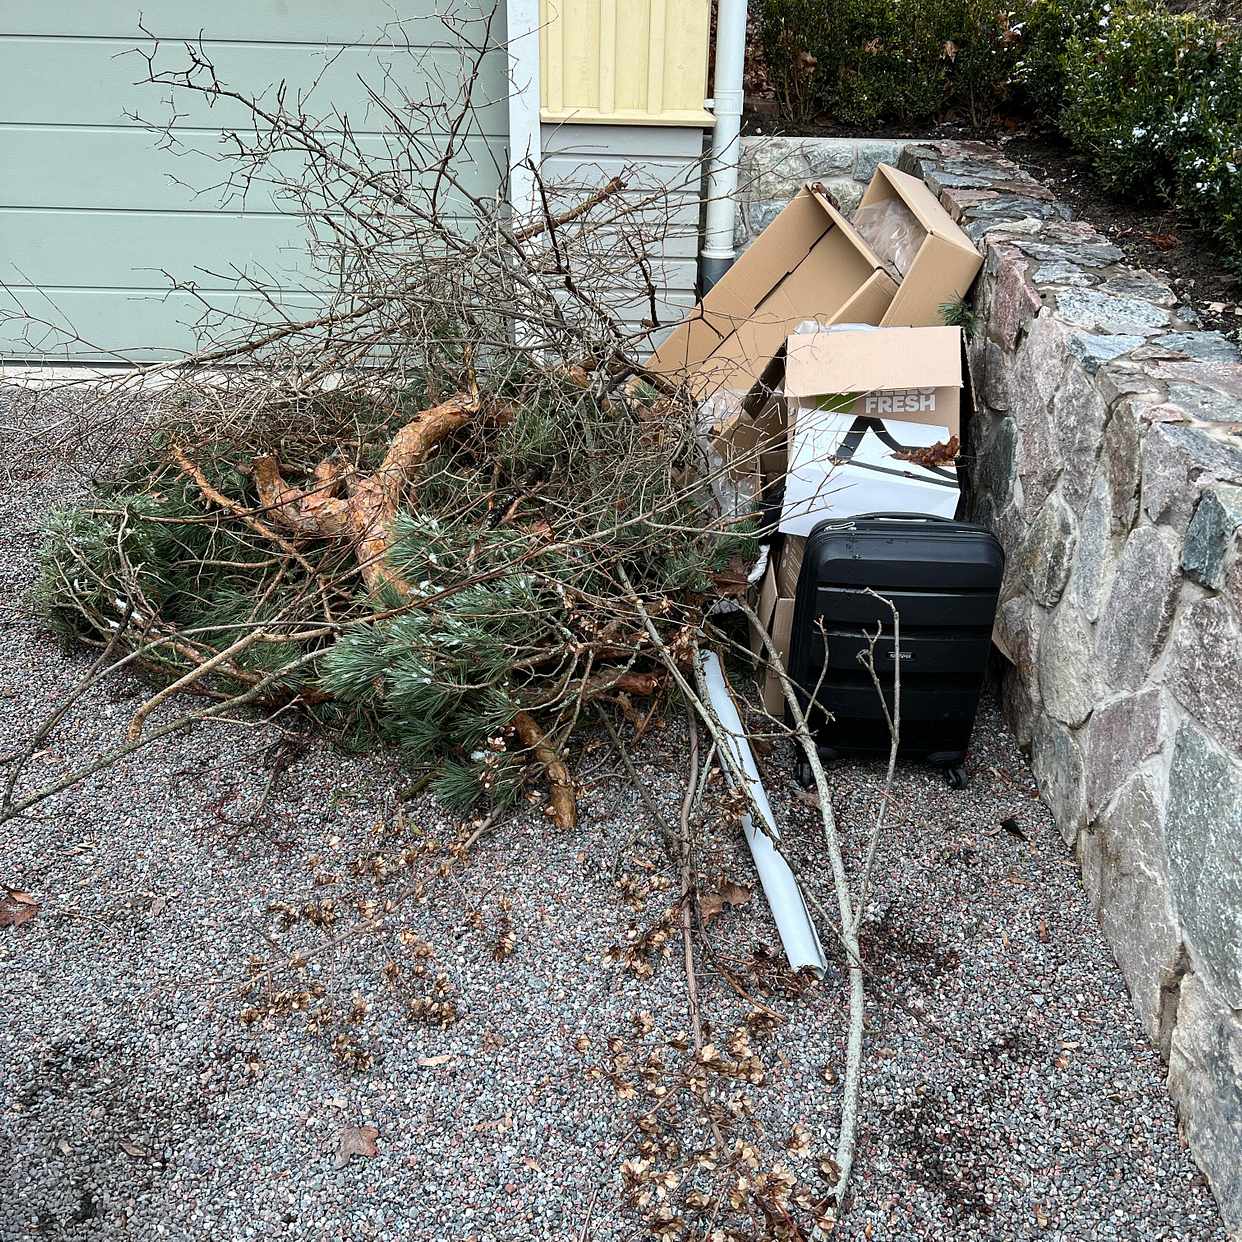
[
  {"x": 857, "y": 403},
  {"x": 945, "y": 261}
]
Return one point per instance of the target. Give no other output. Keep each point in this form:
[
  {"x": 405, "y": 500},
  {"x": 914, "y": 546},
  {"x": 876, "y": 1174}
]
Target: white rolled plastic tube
[{"x": 788, "y": 906}]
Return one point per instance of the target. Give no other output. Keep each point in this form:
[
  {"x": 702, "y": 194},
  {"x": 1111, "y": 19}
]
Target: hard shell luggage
[{"x": 944, "y": 579}]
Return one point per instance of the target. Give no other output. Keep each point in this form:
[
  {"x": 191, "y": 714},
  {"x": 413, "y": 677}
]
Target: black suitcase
[{"x": 944, "y": 579}]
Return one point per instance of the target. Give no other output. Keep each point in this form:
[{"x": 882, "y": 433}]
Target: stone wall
[
  {"x": 1107, "y": 455},
  {"x": 772, "y": 170}
]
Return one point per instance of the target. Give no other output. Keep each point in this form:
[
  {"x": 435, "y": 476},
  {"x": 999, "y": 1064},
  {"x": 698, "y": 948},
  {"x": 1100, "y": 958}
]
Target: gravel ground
[{"x": 1009, "y": 1094}]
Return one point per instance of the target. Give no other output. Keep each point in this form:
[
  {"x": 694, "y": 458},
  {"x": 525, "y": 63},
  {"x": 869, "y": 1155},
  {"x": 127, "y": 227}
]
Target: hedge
[{"x": 1153, "y": 99}]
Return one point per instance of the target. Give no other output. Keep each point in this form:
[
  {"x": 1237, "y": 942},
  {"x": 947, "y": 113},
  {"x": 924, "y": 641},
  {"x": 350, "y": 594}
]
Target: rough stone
[
  {"x": 1205, "y": 1078},
  {"x": 1064, "y": 274},
  {"x": 1069, "y": 682},
  {"x": 1207, "y": 669},
  {"x": 1211, "y": 534},
  {"x": 760, "y": 214},
  {"x": 1045, "y": 559},
  {"x": 1121, "y": 457},
  {"x": 776, "y": 167},
  {"x": 1078, "y": 415},
  {"x": 1137, "y": 283},
  {"x": 1077, "y": 253},
  {"x": 1136, "y": 619},
  {"x": 1121, "y": 735},
  {"x": 872, "y": 151},
  {"x": 995, "y": 469},
  {"x": 1014, "y": 301},
  {"x": 1207, "y": 346},
  {"x": 1124, "y": 379},
  {"x": 847, "y": 192},
  {"x": 1125, "y": 873},
  {"x": 1034, "y": 375},
  {"x": 1091, "y": 558},
  {"x": 999, "y": 221},
  {"x": 1204, "y": 402},
  {"x": 1057, "y": 764},
  {"x": 1018, "y": 628},
  {"x": 1093, "y": 350},
  {"x": 1021, "y": 707},
  {"x": 1102, "y": 312},
  {"x": 994, "y": 374},
  {"x": 1202, "y": 828},
  {"x": 1176, "y": 460}
]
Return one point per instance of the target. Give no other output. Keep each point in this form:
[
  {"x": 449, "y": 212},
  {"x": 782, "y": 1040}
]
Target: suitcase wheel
[{"x": 956, "y": 776}]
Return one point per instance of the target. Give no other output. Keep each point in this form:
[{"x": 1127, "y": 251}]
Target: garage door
[{"x": 100, "y": 216}]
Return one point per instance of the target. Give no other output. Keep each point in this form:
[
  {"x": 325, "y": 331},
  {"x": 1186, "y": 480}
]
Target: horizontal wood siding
[
  {"x": 662, "y": 170},
  {"x": 96, "y": 214}
]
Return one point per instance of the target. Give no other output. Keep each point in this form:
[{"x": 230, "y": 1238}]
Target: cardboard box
[
  {"x": 944, "y": 261},
  {"x": 811, "y": 263},
  {"x": 807, "y": 264},
  {"x": 856, "y": 400},
  {"x": 823, "y": 387}
]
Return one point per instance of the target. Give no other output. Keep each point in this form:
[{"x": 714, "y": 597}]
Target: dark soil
[{"x": 1152, "y": 235}]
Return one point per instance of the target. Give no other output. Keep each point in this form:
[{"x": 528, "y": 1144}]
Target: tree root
[{"x": 365, "y": 516}]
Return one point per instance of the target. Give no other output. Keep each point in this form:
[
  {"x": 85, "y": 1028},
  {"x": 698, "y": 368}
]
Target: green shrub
[
  {"x": 1126, "y": 86},
  {"x": 1040, "y": 73},
  {"x": 989, "y": 48},
  {"x": 863, "y": 62},
  {"x": 1207, "y": 138}
]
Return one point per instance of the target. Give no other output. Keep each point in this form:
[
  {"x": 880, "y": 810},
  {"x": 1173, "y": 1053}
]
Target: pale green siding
[{"x": 95, "y": 215}]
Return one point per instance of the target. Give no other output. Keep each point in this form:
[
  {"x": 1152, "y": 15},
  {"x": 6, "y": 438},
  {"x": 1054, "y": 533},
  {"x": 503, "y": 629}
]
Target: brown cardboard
[
  {"x": 776, "y": 614},
  {"x": 898, "y": 376},
  {"x": 789, "y": 566},
  {"x": 946, "y": 263},
  {"x": 890, "y": 369},
  {"x": 809, "y": 263}
]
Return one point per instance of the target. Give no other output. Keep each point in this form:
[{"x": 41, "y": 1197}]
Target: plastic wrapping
[
  {"x": 736, "y": 490},
  {"x": 891, "y": 229}
]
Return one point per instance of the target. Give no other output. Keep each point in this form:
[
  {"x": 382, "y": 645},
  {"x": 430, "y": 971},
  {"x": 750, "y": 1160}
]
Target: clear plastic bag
[{"x": 892, "y": 231}]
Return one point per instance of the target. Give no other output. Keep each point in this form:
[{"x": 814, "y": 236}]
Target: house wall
[
  {"x": 98, "y": 215},
  {"x": 624, "y": 62},
  {"x": 661, "y": 167}
]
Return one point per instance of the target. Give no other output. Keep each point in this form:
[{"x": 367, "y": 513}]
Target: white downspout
[
  {"x": 718, "y": 249},
  {"x": 525, "y": 139}
]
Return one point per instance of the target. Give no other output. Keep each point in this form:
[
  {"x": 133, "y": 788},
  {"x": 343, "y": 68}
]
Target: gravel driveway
[{"x": 1009, "y": 1093}]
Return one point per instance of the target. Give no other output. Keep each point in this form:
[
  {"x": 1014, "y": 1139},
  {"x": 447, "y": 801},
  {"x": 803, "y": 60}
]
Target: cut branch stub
[{"x": 562, "y": 801}]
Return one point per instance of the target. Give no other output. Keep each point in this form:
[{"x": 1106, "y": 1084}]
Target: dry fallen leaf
[
  {"x": 942, "y": 454},
  {"x": 17, "y": 908},
  {"x": 733, "y": 578},
  {"x": 356, "y": 1141},
  {"x": 726, "y": 894},
  {"x": 808, "y": 797},
  {"x": 431, "y": 1062}
]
